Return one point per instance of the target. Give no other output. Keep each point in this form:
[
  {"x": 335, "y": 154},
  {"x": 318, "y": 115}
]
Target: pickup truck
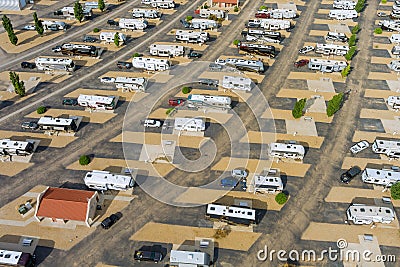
[{"x": 152, "y": 123}]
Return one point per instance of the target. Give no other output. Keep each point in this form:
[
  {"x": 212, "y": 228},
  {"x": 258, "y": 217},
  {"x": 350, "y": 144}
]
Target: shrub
[
  {"x": 281, "y": 198},
  {"x": 96, "y": 30},
  {"x": 378, "y": 31},
  {"x": 350, "y": 53},
  {"x": 359, "y": 6},
  {"x": 137, "y": 55},
  {"x": 352, "y": 40},
  {"x": 205, "y": 6},
  {"x": 297, "y": 111},
  {"x": 236, "y": 42},
  {"x": 346, "y": 71},
  {"x": 186, "y": 90},
  {"x": 262, "y": 8},
  {"x": 355, "y": 29},
  {"x": 41, "y": 110},
  {"x": 235, "y": 9},
  {"x": 222, "y": 232},
  {"x": 189, "y": 18},
  {"x": 395, "y": 191},
  {"x": 169, "y": 111},
  {"x": 334, "y": 104},
  {"x": 84, "y": 160},
  {"x": 384, "y": 1}
]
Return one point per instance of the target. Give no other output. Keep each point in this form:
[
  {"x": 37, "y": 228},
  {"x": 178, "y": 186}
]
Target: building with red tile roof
[
  {"x": 224, "y": 3},
  {"x": 62, "y": 204}
]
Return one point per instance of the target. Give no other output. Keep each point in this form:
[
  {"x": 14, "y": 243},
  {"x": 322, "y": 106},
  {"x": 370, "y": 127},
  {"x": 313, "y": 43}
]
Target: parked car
[
  {"x": 229, "y": 182},
  {"x": 124, "y": 65},
  {"x": 58, "y": 13},
  {"x": 239, "y": 173},
  {"x": 360, "y": 146},
  {"x": 185, "y": 23},
  {"x": 306, "y": 49},
  {"x": 194, "y": 54},
  {"x": 152, "y": 123},
  {"x": 29, "y": 28},
  {"x": 29, "y": 125},
  {"x": 89, "y": 39},
  {"x": 107, "y": 79},
  {"x": 175, "y": 101},
  {"x": 110, "y": 221},
  {"x": 112, "y": 22},
  {"x": 56, "y": 49},
  {"x": 382, "y": 14},
  {"x": 301, "y": 63},
  {"x": 70, "y": 102},
  {"x": 347, "y": 176},
  {"x": 209, "y": 82},
  {"x": 54, "y": 28},
  {"x": 28, "y": 65},
  {"x": 144, "y": 255}
]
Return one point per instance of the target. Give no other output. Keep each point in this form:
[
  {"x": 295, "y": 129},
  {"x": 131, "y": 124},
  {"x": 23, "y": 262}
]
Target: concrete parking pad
[
  {"x": 321, "y": 85},
  {"x": 328, "y": 22},
  {"x": 280, "y": 114},
  {"x": 362, "y": 246},
  {"x": 13, "y": 168},
  {"x": 95, "y": 117},
  {"x": 370, "y": 136},
  {"x": 177, "y": 234},
  {"x": 336, "y": 76},
  {"x": 394, "y": 85},
  {"x": 51, "y": 141},
  {"x": 294, "y": 93},
  {"x": 316, "y": 104},
  {"x": 333, "y": 232},
  {"x": 301, "y": 126},
  {"x": 391, "y": 126},
  {"x": 288, "y": 5},
  {"x": 339, "y": 27}
]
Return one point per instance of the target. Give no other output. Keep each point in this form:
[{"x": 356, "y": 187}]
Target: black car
[
  {"x": 70, "y": 102},
  {"x": 28, "y": 65},
  {"x": 144, "y": 255},
  {"x": 194, "y": 54},
  {"x": 89, "y": 39},
  {"x": 58, "y": 13},
  {"x": 112, "y": 22},
  {"x": 110, "y": 221},
  {"x": 124, "y": 65},
  {"x": 350, "y": 174}
]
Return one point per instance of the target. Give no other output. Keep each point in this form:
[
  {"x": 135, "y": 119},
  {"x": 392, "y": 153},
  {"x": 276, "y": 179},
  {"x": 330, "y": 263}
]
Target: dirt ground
[
  {"x": 336, "y": 76},
  {"x": 13, "y": 168},
  {"x": 126, "y": 96}
]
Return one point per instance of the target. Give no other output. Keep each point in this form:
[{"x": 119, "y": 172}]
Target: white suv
[{"x": 152, "y": 123}]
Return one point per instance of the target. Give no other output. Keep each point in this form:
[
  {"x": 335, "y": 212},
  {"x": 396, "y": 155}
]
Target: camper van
[
  {"x": 268, "y": 182},
  {"x": 108, "y": 37},
  {"x": 236, "y": 83},
  {"x": 133, "y": 24},
  {"x": 104, "y": 180},
  {"x": 344, "y": 4},
  {"x": 203, "y": 24},
  {"x": 222, "y": 102},
  {"x": 192, "y": 36},
  {"x": 383, "y": 176},
  {"x": 145, "y": 13},
  {"x": 368, "y": 211},
  {"x": 151, "y": 64},
  {"x": 15, "y": 148},
  {"x": 331, "y": 49},
  {"x": 159, "y": 3},
  {"x": 325, "y": 65},
  {"x": 388, "y": 147},
  {"x": 190, "y": 124},
  {"x": 162, "y": 50},
  {"x": 97, "y": 102},
  {"x": 342, "y": 14},
  {"x": 131, "y": 84}
]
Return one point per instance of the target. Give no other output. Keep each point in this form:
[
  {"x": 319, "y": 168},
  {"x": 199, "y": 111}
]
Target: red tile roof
[
  {"x": 66, "y": 204},
  {"x": 235, "y": 2}
]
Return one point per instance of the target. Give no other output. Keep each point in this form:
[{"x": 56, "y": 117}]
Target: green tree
[
  {"x": 205, "y": 6},
  {"x": 378, "y": 31},
  {"x": 352, "y": 40},
  {"x": 350, "y": 53},
  {"x": 355, "y": 29},
  {"x": 281, "y": 198},
  {"x": 186, "y": 90},
  {"x": 116, "y": 39},
  {"x": 101, "y": 5},
  {"x": 96, "y": 30},
  {"x": 236, "y": 42},
  {"x": 19, "y": 86},
  {"x": 395, "y": 191},
  {"x": 84, "y": 160},
  {"x": 345, "y": 72},
  {"x": 137, "y": 55},
  {"x": 297, "y": 111},
  {"x": 235, "y": 9},
  {"x": 38, "y": 24},
  {"x": 78, "y": 11},
  {"x": 41, "y": 110},
  {"x": 9, "y": 29},
  {"x": 334, "y": 104},
  {"x": 360, "y": 6},
  {"x": 384, "y": 1}
]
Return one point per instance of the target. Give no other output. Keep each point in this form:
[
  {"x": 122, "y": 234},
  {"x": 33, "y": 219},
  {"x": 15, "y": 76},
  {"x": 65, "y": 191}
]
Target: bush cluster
[
  {"x": 395, "y": 191},
  {"x": 378, "y": 31},
  {"x": 281, "y": 198},
  {"x": 96, "y": 30},
  {"x": 346, "y": 71},
  {"x": 334, "y": 104},
  {"x": 297, "y": 111},
  {"x": 350, "y": 53},
  {"x": 360, "y": 6},
  {"x": 186, "y": 90},
  {"x": 41, "y": 110},
  {"x": 84, "y": 160}
]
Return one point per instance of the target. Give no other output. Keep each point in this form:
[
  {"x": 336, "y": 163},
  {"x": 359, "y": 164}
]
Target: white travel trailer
[
  {"x": 192, "y": 36},
  {"x": 163, "y": 50},
  {"x": 231, "y": 214},
  {"x": 331, "y": 49},
  {"x": 132, "y": 24},
  {"x": 108, "y": 37},
  {"x": 58, "y": 124},
  {"x": 189, "y": 258},
  {"x": 98, "y": 102},
  {"x": 145, "y": 13},
  {"x": 389, "y": 25},
  {"x": 190, "y": 124},
  {"x": 203, "y": 24},
  {"x": 159, "y": 3},
  {"x": 394, "y": 65},
  {"x": 275, "y": 24},
  {"x": 131, "y": 84},
  {"x": 104, "y": 180},
  {"x": 68, "y": 11},
  {"x": 396, "y": 50},
  {"x": 368, "y": 211},
  {"x": 242, "y": 64},
  {"x": 205, "y": 13},
  {"x": 268, "y": 182},
  {"x": 92, "y": 5},
  {"x": 393, "y": 102},
  {"x": 395, "y": 38},
  {"x": 151, "y": 64},
  {"x": 344, "y": 4},
  {"x": 389, "y": 147},
  {"x": 336, "y": 37},
  {"x": 342, "y": 14},
  {"x": 15, "y": 148},
  {"x": 383, "y": 176},
  {"x": 325, "y": 65},
  {"x": 282, "y": 13},
  {"x": 286, "y": 150},
  {"x": 263, "y": 33},
  {"x": 51, "y": 24},
  {"x": 223, "y": 102},
  {"x": 55, "y": 64},
  {"x": 236, "y": 83}
]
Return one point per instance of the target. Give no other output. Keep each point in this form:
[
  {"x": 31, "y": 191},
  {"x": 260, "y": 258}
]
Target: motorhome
[
  {"x": 342, "y": 14},
  {"x": 206, "y": 13},
  {"x": 383, "y": 176},
  {"x": 388, "y": 147},
  {"x": 203, "y": 24},
  {"x": 15, "y": 148},
  {"x": 55, "y": 64},
  {"x": 231, "y": 214},
  {"x": 108, "y": 37},
  {"x": 258, "y": 49},
  {"x": 79, "y": 50},
  {"x": 287, "y": 150},
  {"x": 268, "y": 182},
  {"x": 261, "y": 39},
  {"x": 325, "y": 65},
  {"x": 151, "y": 64},
  {"x": 163, "y": 50},
  {"x": 222, "y": 102},
  {"x": 97, "y": 102},
  {"x": 104, "y": 180},
  {"x": 242, "y": 64},
  {"x": 393, "y": 102},
  {"x": 331, "y": 49},
  {"x": 282, "y": 13},
  {"x": 390, "y": 25},
  {"x": 146, "y": 13},
  {"x": 344, "y": 4},
  {"x": 263, "y": 33},
  {"x": 58, "y": 124},
  {"x": 189, "y": 258},
  {"x": 396, "y": 50},
  {"x": 275, "y": 24},
  {"x": 54, "y": 25},
  {"x": 159, "y": 3},
  {"x": 68, "y": 11},
  {"x": 131, "y": 84},
  {"x": 132, "y": 24},
  {"x": 368, "y": 211},
  {"x": 395, "y": 38},
  {"x": 192, "y": 36},
  {"x": 336, "y": 37},
  {"x": 236, "y": 83},
  {"x": 190, "y": 124},
  {"x": 394, "y": 65}
]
